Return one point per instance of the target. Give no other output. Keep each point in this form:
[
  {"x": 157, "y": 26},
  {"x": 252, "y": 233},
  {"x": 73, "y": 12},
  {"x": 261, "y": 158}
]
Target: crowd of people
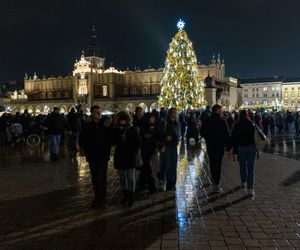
[{"x": 148, "y": 142}]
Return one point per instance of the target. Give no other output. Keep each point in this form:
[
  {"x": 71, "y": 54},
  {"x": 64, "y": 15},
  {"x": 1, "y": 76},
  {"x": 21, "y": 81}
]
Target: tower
[{"x": 93, "y": 51}]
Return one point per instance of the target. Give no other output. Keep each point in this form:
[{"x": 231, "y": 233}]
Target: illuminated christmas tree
[{"x": 181, "y": 85}]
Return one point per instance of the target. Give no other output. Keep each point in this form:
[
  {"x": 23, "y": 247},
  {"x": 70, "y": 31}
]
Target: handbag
[{"x": 260, "y": 139}]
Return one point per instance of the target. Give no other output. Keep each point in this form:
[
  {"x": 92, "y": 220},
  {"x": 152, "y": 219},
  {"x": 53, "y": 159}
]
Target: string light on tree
[{"x": 181, "y": 85}]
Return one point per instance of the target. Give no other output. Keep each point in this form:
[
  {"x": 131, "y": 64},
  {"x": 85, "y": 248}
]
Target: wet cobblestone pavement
[
  {"x": 286, "y": 144},
  {"x": 46, "y": 205}
]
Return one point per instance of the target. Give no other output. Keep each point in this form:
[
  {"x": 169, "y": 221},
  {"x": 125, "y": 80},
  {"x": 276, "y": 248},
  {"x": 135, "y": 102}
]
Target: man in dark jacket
[
  {"x": 96, "y": 140},
  {"x": 216, "y": 134},
  {"x": 74, "y": 125},
  {"x": 56, "y": 124}
]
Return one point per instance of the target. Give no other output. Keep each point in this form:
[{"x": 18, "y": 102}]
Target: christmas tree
[{"x": 181, "y": 86}]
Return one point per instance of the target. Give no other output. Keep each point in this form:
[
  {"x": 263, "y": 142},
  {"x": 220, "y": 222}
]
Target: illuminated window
[
  {"x": 273, "y": 88},
  {"x": 265, "y": 89},
  {"x": 82, "y": 90},
  {"x": 265, "y": 95},
  {"x": 104, "y": 90},
  {"x": 145, "y": 90}
]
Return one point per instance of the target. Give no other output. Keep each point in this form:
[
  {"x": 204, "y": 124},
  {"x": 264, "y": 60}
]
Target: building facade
[
  {"x": 271, "y": 93},
  {"x": 91, "y": 83},
  {"x": 291, "y": 94}
]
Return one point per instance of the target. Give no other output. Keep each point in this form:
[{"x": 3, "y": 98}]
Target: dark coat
[
  {"x": 55, "y": 123},
  {"x": 128, "y": 142},
  {"x": 151, "y": 143},
  {"x": 74, "y": 122},
  {"x": 96, "y": 140},
  {"x": 216, "y": 134},
  {"x": 172, "y": 129},
  {"x": 242, "y": 134}
]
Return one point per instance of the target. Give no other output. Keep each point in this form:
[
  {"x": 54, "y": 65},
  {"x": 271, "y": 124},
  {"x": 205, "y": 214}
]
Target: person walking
[
  {"x": 55, "y": 124},
  {"x": 74, "y": 126},
  {"x": 128, "y": 142},
  {"x": 151, "y": 139},
  {"x": 216, "y": 134},
  {"x": 242, "y": 141},
  {"x": 96, "y": 140},
  {"x": 169, "y": 156}
]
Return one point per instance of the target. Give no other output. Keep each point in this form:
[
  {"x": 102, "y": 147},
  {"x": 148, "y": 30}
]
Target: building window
[
  {"x": 265, "y": 102},
  {"x": 256, "y": 94},
  {"x": 265, "y": 95},
  {"x": 245, "y": 95},
  {"x": 104, "y": 90},
  {"x": 257, "y": 89},
  {"x": 277, "y": 94},
  {"x": 50, "y": 95},
  {"x": 134, "y": 91},
  {"x": 265, "y": 89},
  {"x": 293, "y": 88},
  {"x": 273, "y": 95},
  {"x": 286, "y": 95},
  {"x": 286, "y": 89},
  {"x": 293, "y": 95},
  {"x": 273, "y": 88},
  {"x": 253, "y": 95},
  {"x": 145, "y": 90},
  {"x": 57, "y": 94},
  {"x": 66, "y": 94},
  {"x": 246, "y": 90},
  {"x": 125, "y": 91},
  {"x": 293, "y": 103}
]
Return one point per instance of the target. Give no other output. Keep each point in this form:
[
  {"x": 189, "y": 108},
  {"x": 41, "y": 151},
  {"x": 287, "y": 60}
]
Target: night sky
[{"x": 255, "y": 37}]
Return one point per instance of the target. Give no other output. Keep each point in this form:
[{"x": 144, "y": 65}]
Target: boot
[
  {"x": 130, "y": 199},
  {"x": 125, "y": 197}
]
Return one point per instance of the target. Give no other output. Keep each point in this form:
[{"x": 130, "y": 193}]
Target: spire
[
  {"x": 93, "y": 49},
  {"x": 213, "y": 60},
  {"x": 219, "y": 59}
]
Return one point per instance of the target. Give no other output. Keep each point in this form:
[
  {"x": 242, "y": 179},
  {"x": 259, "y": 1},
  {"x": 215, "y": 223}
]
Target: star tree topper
[{"x": 180, "y": 24}]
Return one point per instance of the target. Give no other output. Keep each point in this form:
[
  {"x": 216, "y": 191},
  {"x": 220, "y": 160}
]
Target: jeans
[
  {"x": 99, "y": 176},
  {"x": 127, "y": 179},
  {"x": 54, "y": 144},
  {"x": 168, "y": 171},
  {"x": 246, "y": 156},
  {"x": 215, "y": 164}
]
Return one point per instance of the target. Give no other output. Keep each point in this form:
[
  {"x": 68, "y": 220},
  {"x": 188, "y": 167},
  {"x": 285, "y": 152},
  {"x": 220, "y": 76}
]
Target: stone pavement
[{"x": 46, "y": 205}]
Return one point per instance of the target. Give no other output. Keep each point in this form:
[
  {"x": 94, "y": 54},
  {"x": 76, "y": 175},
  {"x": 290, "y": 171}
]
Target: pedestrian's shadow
[
  {"x": 217, "y": 196},
  {"x": 292, "y": 179},
  {"x": 224, "y": 206}
]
